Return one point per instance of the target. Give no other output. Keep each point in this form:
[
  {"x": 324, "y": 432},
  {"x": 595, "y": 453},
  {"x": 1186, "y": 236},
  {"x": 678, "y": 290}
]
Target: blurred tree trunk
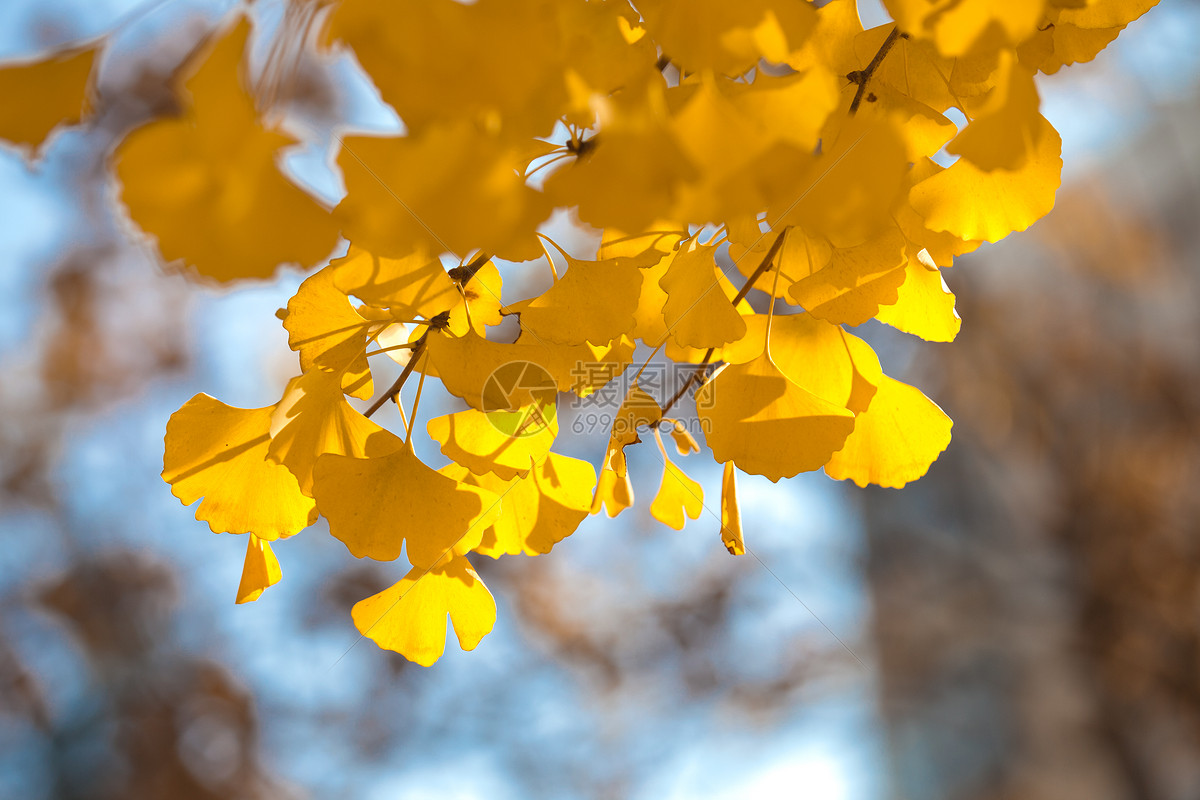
[{"x": 1037, "y": 595}]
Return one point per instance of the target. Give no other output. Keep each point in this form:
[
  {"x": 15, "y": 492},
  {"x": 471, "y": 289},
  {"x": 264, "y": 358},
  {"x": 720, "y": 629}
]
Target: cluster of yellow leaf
[{"x": 769, "y": 135}]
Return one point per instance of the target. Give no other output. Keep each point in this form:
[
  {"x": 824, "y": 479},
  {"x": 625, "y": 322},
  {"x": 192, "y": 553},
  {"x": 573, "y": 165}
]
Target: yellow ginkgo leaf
[
  {"x": 729, "y": 144},
  {"x": 731, "y": 516},
  {"x": 856, "y": 281},
  {"x": 768, "y": 425},
  {"x": 502, "y": 442},
  {"x": 219, "y": 453},
  {"x": 328, "y": 333},
  {"x": 958, "y": 27},
  {"x": 791, "y": 108},
  {"x": 479, "y": 302},
  {"x": 641, "y": 250},
  {"x": 638, "y": 410},
  {"x": 415, "y": 286},
  {"x": 649, "y": 324},
  {"x": 207, "y": 185},
  {"x": 43, "y": 94},
  {"x": 824, "y": 360},
  {"x": 593, "y": 302},
  {"x": 313, "y": 418},
  {"x": 463, "y": 362},
  {"x": 942, "y": 246},
  {"x": 451, "y": 188},
  {"x": 697, "y": 312},
  {"x": 633, "y": 171},
  {"x": 678, "y": 494},
  {"x": 1063, "y": 44},
  {"x": 1103, "y": 13},
  {"x": 376, "y": 505},
  {"x": 849, "y": 191},
  {"x": 410, "y": 616},
  {"x": 925, "y": 305},
  {"x": 894, "y": 441},
  {"x": 1005, "y": 126},
  {"x": 259, "y": 572},
  {"x": 540, "y": 508},
  {"x": 973, "y": 204},
  {"x": 725, "y": 37},
  {"x": 685, "y": 443},
  {"x": 614, "y": 493},
  {"x": 496, "y": 61}
]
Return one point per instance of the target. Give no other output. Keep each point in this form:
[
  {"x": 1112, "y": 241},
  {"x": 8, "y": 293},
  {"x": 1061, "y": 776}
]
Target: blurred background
[{"x": 1024, "y": 622}]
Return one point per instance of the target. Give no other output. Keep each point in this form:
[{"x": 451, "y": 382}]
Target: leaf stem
[{"x": 394, "y": 389}]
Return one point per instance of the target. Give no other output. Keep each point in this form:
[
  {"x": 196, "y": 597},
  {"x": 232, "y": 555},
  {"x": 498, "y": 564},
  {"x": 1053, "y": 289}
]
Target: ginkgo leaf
[
  {"x": 410, "y": 616},
  {"x": 464, "y": 363},
  {"x": 634, "y": 168},
  {"x": 798, "y": 257},
  {"x": 727, "y": 37},
  {"x": 416, "y": 285},
  {"x": 820, "y": 358},
  {"x": 848, "y": 191},
  {"x": 1006, "y": 126},
  {"x": 219, "y": 453},
  {"x": 731, "y": 516},
  {"x": 973, "y": 204},
  {"x": 260, "y": 570},
  {"x": 684, "y": 441},
  {"x": 959, "y": 27},
  {"x": 492, "y": 61},
  {"x": 313, "y": 418},
  {"x": 678, "y": 494},
  {"x": 207, "y": 184},
  {"x": 328, "y": 333},
  {"x": 479, "y": 305},
  {"x": 730, "y": 146},
  {"x": 766, "y": 424},
  {"x": 376, "y": 505},
  {"x": 856, "y": 281},
  {"x": 791, "y": 108},
  {"x": 894, "y": 441},
  {"x": 40, "y": 95},
  {"x": 942, "y": 246},
  {"x": 650, "y": 326},
  {"x": 593, "y": 302},
  {"x": 697, "y": 312},
  {"x": 1063, "y": 44},
  {"x": 924, "y": 305},
  {"x": 541, "y": 507},
  {"x": 502, "y": 442},
  {"x": 638, "y": 410},
  {"x": 398, "y": 198},
  {"x": 614, "y": 493},
  {"x": 1104, "y": 13}
]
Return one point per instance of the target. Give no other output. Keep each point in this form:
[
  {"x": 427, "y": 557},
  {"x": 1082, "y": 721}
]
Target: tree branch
[{"x": 861, "y": 77}]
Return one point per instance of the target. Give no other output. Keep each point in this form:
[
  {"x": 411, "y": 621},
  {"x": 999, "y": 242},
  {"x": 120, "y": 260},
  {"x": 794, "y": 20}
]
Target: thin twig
[
  {"x": 395, "y": 388},
  {"x": 861, "y": 77}
]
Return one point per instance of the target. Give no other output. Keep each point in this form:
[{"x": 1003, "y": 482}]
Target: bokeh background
[{"x": 1022, "y": 623}]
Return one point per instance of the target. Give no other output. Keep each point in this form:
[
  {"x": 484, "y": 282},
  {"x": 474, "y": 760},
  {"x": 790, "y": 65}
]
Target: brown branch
[
  {"x": 463, "y": 275},
  {"x": 861, "y": 77},
  {"x": 395, "y": 388}
]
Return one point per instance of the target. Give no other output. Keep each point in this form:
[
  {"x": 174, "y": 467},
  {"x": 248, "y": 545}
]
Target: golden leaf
[
  {"x": 219, "y": 453},
  {"x": 410, "y": 616}
]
